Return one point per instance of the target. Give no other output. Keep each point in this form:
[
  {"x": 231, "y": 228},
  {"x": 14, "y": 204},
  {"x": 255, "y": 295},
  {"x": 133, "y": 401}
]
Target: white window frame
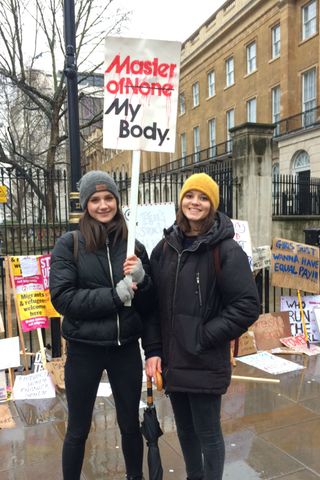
[
  {"x": 182, "y": 104},
  {"x": 183, "y": 146},
  {"x": 251, "y": 57},
  {"x": 276, "y": 41},
  {"x": 309, "y": 95},
  {"x": 196, "y": 144},
  {"x": 252, "y": 110},
  {"x": 230, "y": 114},
  {"x": 229, "y": 71},
  {"x": 309, "y": 19},
  {"x": 211, "y": 84},
  {"x": 196, "y": 94},
  {"x": 276, "y": 105},
  {"x": 212, "y": 136}
]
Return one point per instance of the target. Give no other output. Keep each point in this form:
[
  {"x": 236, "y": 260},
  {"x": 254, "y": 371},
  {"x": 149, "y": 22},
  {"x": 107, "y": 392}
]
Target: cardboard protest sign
[
  {"x": 151, "y": 220},
  {"x": 246, "y": 345},
  {"x": 141, "y": 80},
  {"x": 295, "y": 265},
  {"x": 6, "y": 418},
  {"x": 242, "y": 236},
  {"x": 33, "y": 386},
  {"x": 309, "y": 304},
  {"x": 269, "y": 328},
  {"x": 9, "y": 353},
  {"x": 56, "y": 370}
]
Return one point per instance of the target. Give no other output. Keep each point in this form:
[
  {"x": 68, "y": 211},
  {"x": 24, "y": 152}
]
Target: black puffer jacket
[
  {"x": 200, "y": 315},
  {"x": 83, "y": 292}
]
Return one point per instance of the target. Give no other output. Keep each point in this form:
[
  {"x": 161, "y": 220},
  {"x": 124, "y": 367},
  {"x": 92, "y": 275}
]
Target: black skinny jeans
[
  {"x": 197, "y": 417},
  {"x": 83, "y": 370}
]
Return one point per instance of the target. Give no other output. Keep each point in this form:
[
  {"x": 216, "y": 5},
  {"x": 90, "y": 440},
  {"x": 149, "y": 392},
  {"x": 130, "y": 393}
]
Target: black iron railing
[
  {"x": 301, "y": 121},
  {"x": 292, "y": 195}
]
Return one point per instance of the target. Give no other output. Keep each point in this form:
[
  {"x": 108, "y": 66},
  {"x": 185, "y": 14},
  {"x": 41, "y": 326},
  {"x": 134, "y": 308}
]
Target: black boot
[{"x": 136, "y": 477}]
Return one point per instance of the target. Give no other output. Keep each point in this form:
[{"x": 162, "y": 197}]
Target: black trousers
[
  {"x": 197, "y": 417},
  {"x": 83, "y": 371}
]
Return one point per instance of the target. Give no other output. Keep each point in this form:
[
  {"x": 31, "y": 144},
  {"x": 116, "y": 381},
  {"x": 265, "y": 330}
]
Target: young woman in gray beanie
[{"x": 90, "y": 290}]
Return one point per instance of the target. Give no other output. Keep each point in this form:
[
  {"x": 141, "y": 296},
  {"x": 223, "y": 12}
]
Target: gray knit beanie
[{"x": 96, "y": 181}]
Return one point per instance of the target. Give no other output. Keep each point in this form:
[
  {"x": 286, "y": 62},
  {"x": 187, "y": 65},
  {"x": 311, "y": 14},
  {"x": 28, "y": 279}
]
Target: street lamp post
[{"x": 70, "y": 72}]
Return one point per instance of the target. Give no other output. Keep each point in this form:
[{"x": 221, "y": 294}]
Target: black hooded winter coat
[
  {"x": 199, "y": 313},
  {"x": 83, "y": 291}
]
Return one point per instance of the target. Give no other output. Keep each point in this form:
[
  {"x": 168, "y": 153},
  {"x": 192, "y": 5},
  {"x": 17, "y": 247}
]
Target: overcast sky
[{"x": 167, "y": 19}]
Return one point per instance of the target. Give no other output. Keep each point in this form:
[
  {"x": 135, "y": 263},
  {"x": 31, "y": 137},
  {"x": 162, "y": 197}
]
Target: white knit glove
[
  {"x": 138, "y": 272},
  {"x": 124, "y": 290}
]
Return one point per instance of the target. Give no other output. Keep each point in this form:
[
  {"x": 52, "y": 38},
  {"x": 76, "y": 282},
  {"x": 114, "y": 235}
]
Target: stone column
[{"x": 252, "y": 176}]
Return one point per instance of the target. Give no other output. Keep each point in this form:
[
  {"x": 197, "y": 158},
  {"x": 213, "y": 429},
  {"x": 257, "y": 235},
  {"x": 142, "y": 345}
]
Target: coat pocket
[{"x": 185, "y": 344}]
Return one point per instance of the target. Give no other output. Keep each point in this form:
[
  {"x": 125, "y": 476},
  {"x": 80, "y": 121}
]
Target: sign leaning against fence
[{"x": 295, "y": 265}]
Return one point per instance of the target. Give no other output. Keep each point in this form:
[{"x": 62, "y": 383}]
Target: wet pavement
[{"x": 272, "y": 431}]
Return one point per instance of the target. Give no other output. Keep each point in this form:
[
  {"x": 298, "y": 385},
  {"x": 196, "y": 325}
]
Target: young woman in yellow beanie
[{"x": 200, "y": 311}]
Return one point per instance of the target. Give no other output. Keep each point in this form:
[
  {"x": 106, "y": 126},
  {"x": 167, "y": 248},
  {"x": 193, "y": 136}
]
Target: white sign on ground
[
  {"x": 9, "y": 353},
  {"x": 270, "y": 363},
  {"x": 33, "y": 386},
  {"x": 141, "y": 83}
]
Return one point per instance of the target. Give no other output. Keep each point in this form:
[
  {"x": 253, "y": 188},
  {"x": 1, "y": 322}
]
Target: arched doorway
[{"x": 300, "y": 167}]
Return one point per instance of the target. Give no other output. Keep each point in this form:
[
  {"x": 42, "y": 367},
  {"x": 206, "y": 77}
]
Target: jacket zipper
[
  {"x": 112, "y": 281},
  {"x": 199, "y": 288}
]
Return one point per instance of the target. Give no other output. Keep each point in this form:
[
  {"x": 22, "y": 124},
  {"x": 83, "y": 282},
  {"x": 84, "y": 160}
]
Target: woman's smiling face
[
  {"x": 102, "y": 206},
  {"x": 196, "y": 206}
]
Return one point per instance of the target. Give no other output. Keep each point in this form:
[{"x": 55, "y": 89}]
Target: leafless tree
[{"x": 31, "y": 31}]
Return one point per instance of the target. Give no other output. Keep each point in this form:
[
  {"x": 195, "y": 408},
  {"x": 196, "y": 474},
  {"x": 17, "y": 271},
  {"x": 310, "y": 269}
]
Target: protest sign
[
  {"x": 269, "y": 328},
  {"x": 295, "y": 265},
  {"x": 270, "y": 363},
  {"x": 56, "y": 370},
  {"x": 246, "y": 345},
  {"x": 242, "y": 236},
  {"x": 30, "y": 279},
  {"x": 299, "y": 343},
  {"x": 9, "y": 353},
  {"x": 3, "y": 386},
  {"x": 44, "y": 262},
  {"x": 141, "y": 80},
  {"x": 309, "y": 303},
  {"x": 6, "y": 418},
  {"x": 151, "y": 220},
  {"x": 33, "y": 386},
  {"x": 261, "y": 257}
]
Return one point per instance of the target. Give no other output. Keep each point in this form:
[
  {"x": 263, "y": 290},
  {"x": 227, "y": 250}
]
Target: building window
[
  {"x": 212, "y": 137},
  {"x": 230, "y": 124},
  {"x": 251, "y": 57},
  {"x": 309, "y": 20},
  {"x": 229, "y": 72},
  {"x": 309, "y": 97},
  {"x": 275, "y": 35},
  {"x": 300, "y": 162},
  {"x": 276, "y": 109},
  {"x": 211, "y": 84},
  {"x": 183, "y": 144},
  {"x": 195, "y": 94},
  {"x": 182, "y": 103},
  {"x": 196, "y": 144},
  {"x": 252, "y": 110}
]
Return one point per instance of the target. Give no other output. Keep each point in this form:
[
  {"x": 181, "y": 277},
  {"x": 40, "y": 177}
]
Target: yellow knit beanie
[{"x": 203, "y": 183}]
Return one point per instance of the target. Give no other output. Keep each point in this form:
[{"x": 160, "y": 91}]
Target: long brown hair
[
  {"x": 206, "y": 224},
  {"x": 96, "y": 233}
]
